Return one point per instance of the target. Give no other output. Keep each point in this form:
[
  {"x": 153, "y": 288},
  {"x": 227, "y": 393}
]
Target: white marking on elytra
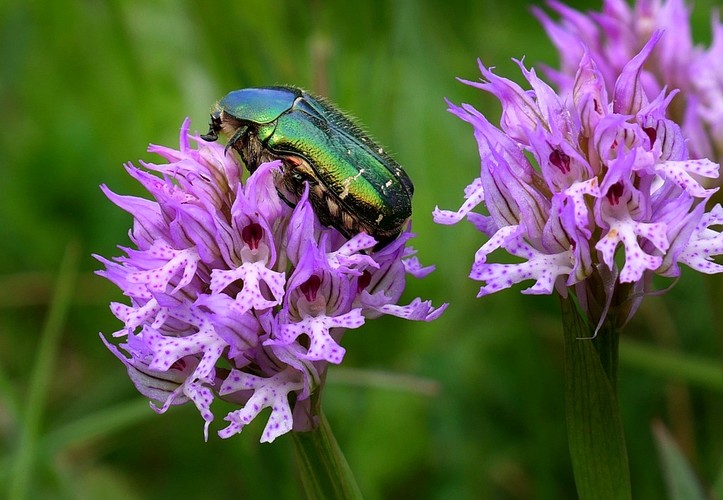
[{"x": 347, "y": 181}]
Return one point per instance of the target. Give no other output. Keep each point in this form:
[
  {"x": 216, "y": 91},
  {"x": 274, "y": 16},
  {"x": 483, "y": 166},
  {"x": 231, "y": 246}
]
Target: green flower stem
[
  {"x": 594, "y": 429},
  {"x": 322, "y": 466}
]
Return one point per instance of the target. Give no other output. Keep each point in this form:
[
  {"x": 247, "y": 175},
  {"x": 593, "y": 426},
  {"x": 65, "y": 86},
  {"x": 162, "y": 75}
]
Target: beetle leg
[{"x": 236, "y": 137}]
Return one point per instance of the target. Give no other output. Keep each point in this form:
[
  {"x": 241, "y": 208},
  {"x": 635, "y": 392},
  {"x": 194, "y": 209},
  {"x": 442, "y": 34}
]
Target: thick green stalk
[
  {"x": 322, "y": 466},
  {"x": 594, "y": 429}
]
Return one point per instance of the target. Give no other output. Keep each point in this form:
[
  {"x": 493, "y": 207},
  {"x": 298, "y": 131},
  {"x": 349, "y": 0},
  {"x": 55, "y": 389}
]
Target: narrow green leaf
[
  {"x": 594, "y": 429},
  {"x": 388, "y": 381},
  {"x": 324, "y": 471},
  {"x": 101, "y": 423},
  {"x": 42, "y": 374},
  {"x": 679, "y": 476},
  {"x": 701, "y": 371},
  {"x": 704, "y": 372}
]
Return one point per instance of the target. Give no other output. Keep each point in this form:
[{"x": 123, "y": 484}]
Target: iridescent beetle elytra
[{"x": 354, "y": 185}]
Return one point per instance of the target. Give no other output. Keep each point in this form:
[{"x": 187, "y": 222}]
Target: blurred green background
[{"x": 470, "y": 406}]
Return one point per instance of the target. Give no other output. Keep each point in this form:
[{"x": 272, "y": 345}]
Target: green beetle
[{"x": 354, "y": 185}]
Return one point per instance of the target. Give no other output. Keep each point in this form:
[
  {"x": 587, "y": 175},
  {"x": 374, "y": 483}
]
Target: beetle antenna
[{"x": 236, "y": 137}]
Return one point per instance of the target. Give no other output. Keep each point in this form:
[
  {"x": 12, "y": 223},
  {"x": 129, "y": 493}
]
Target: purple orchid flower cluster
[
  {"x": 616, "y": 33},
  {"x": 234, "y": 294},
  {"x": 570, "y": 179}
]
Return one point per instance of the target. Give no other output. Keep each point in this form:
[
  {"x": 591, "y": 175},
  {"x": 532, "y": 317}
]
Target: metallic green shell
[
  {"x": 355, "y": 169},
  {"x": 364, "y": 181}
]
